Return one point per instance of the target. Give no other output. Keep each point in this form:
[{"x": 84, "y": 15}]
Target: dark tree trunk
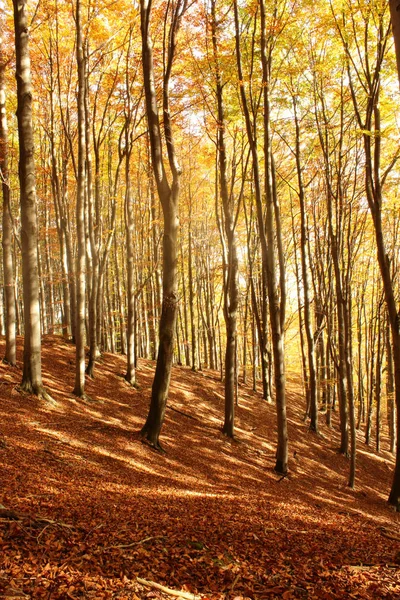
[{"x": 168, "y": 195}]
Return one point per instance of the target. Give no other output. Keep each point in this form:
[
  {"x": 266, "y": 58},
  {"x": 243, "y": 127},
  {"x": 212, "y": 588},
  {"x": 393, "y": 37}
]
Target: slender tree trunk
[
  {"x": 130, "y": 375},
  {"x": 311, "y": 378},
  {"x": 349, "y": 374},
  {"x": 8, "y": 266},
  {"x": 272, "y": 255},
  {"x": 42, "y": 295},
  {"x": 245, "y": 334},
  {"x": 360, "y": 369},
  {"x": 121, "y": 303},
  {"x": 185, "y": 324},
  {"x": 231, "y": 289},
  {"x": 191, "y": 294},
  {"x": 378, "y": 384},
  {"x": 371, "y": 376},
  {"x": 80, "y": 328},
  {"x": 254, "y": 352},
  {"x": 49, "y": 268},
  {"x": 269, "y": 230},
  {"x": 391, "y": 406},
  {"x": 92, "y": 225},
  {"x": 19, "y": 315},
  {"x": 301, "y": 324}
]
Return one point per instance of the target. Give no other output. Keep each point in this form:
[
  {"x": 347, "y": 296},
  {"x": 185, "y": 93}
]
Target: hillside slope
[{"x": 89, "y": 508}]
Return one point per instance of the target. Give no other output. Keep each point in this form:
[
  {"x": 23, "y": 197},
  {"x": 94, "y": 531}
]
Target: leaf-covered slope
[{"x": 88, "y": 508}]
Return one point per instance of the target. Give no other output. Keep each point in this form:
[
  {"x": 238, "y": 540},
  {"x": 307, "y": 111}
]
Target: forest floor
[{"x": 88, "y": 511}]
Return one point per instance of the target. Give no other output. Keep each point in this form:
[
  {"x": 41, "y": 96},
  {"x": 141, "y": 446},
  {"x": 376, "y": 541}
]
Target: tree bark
[
  {"x": 311, "y": 375},
  {"x": 8, "y": 267},
  {"x": 269, "y": 228},
  {"x": 130, "y": 375},
  {"x": 80, "y": 328},
  {"x": 32, "y": 371},
  {"x": 231, "y": 289},
  {"x": 276, "y": 291},
  {"x": 194, "y": 361},
  {"x": 168, "y": 195}
]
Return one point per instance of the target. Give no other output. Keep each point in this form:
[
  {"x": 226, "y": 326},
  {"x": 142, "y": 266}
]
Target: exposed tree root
[
  {"x": 154, "y": 445},
  {"x": 162, "y": 588},
  {"x": 26, "y": 387}
]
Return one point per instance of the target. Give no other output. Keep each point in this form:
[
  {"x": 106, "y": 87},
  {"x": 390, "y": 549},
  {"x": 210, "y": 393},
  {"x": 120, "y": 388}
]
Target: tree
[
  {"x": 269, "y": 225},
  {"x": 168, "y": 194},
  {"x": 228, "y": 235},
  {"x": 32, "y": 372},
  {"x": 8, "y": 268},
  {"x": 312, "y": 377},
  {"x": 80, "y": 333}
]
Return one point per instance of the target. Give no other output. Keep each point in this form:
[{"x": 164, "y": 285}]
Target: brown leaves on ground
[{"x": 91, "y": 509}]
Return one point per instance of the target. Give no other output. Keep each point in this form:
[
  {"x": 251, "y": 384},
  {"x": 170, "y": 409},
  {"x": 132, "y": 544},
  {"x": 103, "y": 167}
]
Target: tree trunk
[
  {"x": 391, "y": 406},
  {"x": 130, "y": 375},
  {"x": 231, "y": 289},
  {"x": 120, "y": 300},
  {"x": 311, "y": 375},
  {"x": 32, "y": 372},
  {"x": 191, "y": 294},
  {"x": 269, "y": 229},
  {"x": 168, "y": 195},
  {"x": 8, "y": 267},
  {"x": 80, "y": 328},
  {"x": 394, "y": 314},
  {"x": 271, "y": 256}
]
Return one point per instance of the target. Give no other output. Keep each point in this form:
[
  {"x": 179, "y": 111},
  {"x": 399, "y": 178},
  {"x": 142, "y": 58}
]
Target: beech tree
[
  {"x": 269, "y": 225},
  {"x": 8, "y": 267},
  {"x": 230, "y": 208},
  {"x": 80, "y": 332},
  {"x": 168, "y": 193},
  {"x": 32, "y": 372}
]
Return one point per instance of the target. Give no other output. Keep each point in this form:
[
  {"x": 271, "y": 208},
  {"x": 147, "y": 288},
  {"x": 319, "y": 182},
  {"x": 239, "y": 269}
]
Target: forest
[{"x": 206, "y": 189}]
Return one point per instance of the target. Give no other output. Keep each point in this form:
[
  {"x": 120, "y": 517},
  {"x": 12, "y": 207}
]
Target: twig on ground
[
  {"x": 147, "y": 539},
  {"x": 162, "y": 588},
  {"x": 51, "y": 522}
]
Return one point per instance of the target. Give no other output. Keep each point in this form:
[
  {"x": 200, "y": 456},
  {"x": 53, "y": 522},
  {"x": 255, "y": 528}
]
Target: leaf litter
[{"x": 87, "y": 511}]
